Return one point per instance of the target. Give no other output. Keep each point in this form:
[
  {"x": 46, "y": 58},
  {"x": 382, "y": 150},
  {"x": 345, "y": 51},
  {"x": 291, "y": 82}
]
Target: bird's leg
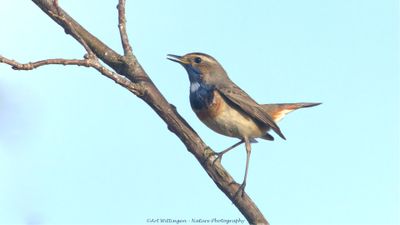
[
  {"x": 220, "y": 154},
  {"x": 248, "y": 152}
]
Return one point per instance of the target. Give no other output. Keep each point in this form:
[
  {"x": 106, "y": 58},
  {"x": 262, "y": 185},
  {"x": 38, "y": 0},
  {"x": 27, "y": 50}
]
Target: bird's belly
[{"x": 224, "y": 119}]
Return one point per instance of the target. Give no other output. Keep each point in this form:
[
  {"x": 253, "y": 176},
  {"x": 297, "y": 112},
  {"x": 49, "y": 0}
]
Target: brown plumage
[{"x": 242, "y": 100}]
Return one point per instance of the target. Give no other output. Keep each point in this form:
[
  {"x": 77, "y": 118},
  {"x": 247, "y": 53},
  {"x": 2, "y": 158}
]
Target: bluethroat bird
[{"x": 225, "y": 108}]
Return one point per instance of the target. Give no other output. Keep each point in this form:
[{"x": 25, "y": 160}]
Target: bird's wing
[{"x": 238, "y": 97}]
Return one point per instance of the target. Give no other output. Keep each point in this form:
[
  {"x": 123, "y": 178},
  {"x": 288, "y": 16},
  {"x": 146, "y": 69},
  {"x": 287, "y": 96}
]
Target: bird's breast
[
  {"x": 224, "y": 118},
  {"x": 210, "y": 109}
]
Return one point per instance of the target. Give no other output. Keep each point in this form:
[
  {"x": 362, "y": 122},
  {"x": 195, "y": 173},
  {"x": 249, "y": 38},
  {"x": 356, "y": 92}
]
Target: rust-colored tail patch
[{"x": 278, "y": 111}]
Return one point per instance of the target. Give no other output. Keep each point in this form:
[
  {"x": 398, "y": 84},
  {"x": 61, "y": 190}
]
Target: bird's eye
[{"x": 197, "y": 60}]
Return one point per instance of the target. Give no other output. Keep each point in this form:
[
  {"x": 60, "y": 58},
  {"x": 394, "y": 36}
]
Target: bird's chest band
[
  {"x": 205, "y": 101},
  {"x": 211, "y": 109}
]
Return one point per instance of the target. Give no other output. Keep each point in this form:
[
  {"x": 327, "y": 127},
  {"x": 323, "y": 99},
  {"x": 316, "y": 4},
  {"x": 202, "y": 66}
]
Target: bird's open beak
[{"x": 177, "y": 58}]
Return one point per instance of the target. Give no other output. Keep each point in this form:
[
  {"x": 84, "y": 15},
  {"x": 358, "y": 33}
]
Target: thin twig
[
  {"x": 88, "y": 62},
  {"x": 122, "y": 28},
  {"x": 33, "y": 65},
  {"x": 135, "y": 88}
]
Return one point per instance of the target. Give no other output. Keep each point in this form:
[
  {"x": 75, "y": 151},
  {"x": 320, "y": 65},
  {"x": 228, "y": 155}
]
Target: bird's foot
[
  {"x": 218, "y": 157},
  {"x": 240, "y": 190}
]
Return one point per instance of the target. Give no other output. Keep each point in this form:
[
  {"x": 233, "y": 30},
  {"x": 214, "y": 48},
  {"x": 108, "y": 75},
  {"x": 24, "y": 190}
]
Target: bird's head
[{"x": 201, "y": 68}]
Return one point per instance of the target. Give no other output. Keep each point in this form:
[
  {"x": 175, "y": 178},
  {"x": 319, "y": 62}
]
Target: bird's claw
[
  {"x": 240, "y": 190},
  {"x": 218, "y": 157}
]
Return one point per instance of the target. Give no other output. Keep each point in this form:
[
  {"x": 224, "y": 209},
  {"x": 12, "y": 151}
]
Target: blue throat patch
[{"x": 202, "y": 96}]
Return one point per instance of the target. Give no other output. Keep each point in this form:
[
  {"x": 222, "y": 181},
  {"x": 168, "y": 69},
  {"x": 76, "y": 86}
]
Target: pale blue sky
[{"x": 75, "y": 148}]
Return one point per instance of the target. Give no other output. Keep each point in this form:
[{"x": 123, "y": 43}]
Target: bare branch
[
  {"x": 118, "y": 78},
  {"x": 87, "y": 62},
  {"x": 129, "y": 74},
  {"x": 91, "y": 58},
  {"x": 33, "y": 65},
  {"x": 102, "y": 51},
  {"x": 122, "y": 28},
  {"x": 70, "y": 28}
]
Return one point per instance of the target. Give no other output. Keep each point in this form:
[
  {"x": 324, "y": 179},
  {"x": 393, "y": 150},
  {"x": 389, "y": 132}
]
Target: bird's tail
[{"x": 278, "y": 111}]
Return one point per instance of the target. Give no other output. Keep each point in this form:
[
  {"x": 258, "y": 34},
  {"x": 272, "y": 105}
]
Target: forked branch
[{"x": 130, "y": 74}]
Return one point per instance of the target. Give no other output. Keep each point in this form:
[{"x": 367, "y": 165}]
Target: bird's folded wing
[{"x": 238, "y": 97}]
